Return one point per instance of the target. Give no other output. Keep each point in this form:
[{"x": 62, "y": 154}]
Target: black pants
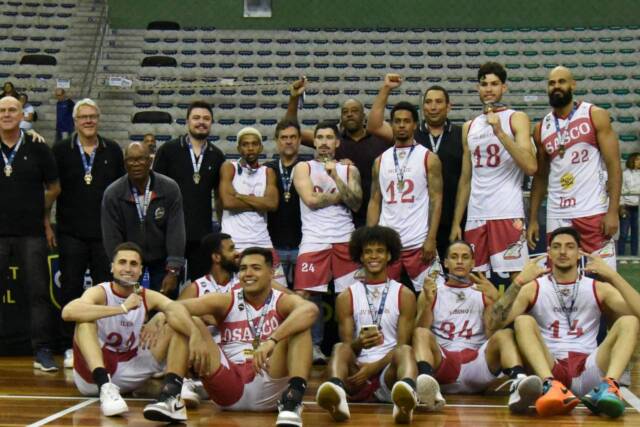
[
  {"x": 75, "y": 256},
  {"x": 33, "y": 275},
  {"x": 198, "y": 263}
]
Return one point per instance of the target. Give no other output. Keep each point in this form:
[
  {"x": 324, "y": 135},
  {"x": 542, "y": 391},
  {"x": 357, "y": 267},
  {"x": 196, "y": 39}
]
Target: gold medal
[
  {"x": 7, "y": 170},
  {"x": 256, "y": 343},
  {"x": 196, "y": 178},
  {"x": 88, "y": 178},
  {"x": 287, "y": 196},
  {"x": 400, "y": 185},
  {"x": 561, "y": 151}
]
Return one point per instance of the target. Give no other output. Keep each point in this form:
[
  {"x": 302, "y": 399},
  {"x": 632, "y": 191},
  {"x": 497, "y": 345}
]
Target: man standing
[
  {"x": 497, "y": 152},
  {"x": 88, "y": 164},
  {"x": 145, "y": 207},
  {"x": 438, "y": 134},
  {"x": 149, "y": 140},
  {"x": 194, "y": 163},
  {"x": 579, "y": 167},
  {"x": 284, "y": 224},
  {"x": 357, "y": 144},
  {"x": 64, "y": 117},
  {"x": 556, "y": 320},
  {"x": 407, "y": 196},
  {"x": 28, "y": 187},
  {"x": 248, "y": 191},
  {"x": 375, "y": 320}
]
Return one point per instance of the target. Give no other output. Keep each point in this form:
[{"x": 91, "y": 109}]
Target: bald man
[
  {"x": 578, "y": 168},
  {"x": 145, "y": 207},
  {"x": 28, "y": 187},
  {"x": 356, "y": 144}
]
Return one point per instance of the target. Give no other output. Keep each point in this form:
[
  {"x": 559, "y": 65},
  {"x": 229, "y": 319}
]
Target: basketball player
[
  {"x": 375, "y": 320},
  {"x": 453, "y": 343},
  {"x": 557, "y": 317},
  {"x": 497, "y": 151},
  {"x": 579, "y": 167},
  {"x": 406, "y": 195},
  {"x": 108, "y": 357},
  {"x": 264, "y": 352},
  {"x": 248, "y": 191}
]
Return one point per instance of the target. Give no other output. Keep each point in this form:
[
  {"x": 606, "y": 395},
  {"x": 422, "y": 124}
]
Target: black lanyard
[{"x": 377, "y": 317}]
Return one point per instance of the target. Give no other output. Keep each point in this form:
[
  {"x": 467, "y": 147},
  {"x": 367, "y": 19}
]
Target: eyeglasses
[{"x": 87, "y": 117}]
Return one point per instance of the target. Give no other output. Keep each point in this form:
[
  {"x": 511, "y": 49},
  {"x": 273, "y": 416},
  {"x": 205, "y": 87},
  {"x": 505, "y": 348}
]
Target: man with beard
[
  {"x": 357, "y": 144},
  {"x": 145, "y": 207},
  {"x": 194, "y": 163},
  {"x": 407, "y": 196},
  {"x": 88, "y": 164},
  {"x": 497, "y": 152},
  {"x": 248, "y": 191},
  {"x": 436, "y": 133},
  {"x": 579, "y": 168}
]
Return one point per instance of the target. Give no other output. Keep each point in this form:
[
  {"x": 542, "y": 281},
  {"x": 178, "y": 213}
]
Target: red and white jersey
[
  {"x": 496, "y": 179},
  {"x": 121, "y": 333},
  {"x": 405, "y": 210},
  {"x": 572, "y": 328},
  {"x": 458, "y": 317},
  {"x": 247, "y": 228},
  {"x": 362, "y": 316},
  {"x": 578, "y": 179},
  {"x": 207, "y": 284},
  {"x": 236, "y": 334},
  {"x": 331, "y": 224}
]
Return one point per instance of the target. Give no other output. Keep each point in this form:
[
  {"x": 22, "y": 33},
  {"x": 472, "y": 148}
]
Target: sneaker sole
[
  {"x": 116, "y": 412},
  {"x": 37, "y": 365},
  {"x": 157, "y": 415},
  {"x": 329, "y": 400},
  {"x": 555, "y": 407},
  {"x": 405, "y": 401},
  {"x": 530, "y": 390},
  {"x": 288, "y": 419},
  {"x": 610, "y": 407},
  {"x": 427, "y": 391}
]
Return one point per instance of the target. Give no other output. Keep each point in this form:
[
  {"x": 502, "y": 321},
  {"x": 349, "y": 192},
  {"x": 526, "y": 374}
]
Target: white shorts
[
  {"x": 128, "y": 376},
  {"x": 461, "y": 373}
]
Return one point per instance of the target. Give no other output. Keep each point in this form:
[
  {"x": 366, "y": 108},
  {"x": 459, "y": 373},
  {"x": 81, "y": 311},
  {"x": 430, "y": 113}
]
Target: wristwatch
[{"x": 173, "y": 270}]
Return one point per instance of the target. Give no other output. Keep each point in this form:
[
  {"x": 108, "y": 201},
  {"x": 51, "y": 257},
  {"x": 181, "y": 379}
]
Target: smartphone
[{"x": 369, "y": 329}]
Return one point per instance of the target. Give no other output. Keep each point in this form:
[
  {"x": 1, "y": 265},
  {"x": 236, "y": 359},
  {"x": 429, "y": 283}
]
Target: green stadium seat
[
  {"x": 621, "y": 91},
  {"x": 626, "y": 119},
  {"x": 492, "y": 53},
  {"x": 530, "y": 53},
  {"x": 605, "y": 105},
  {"x": 580, "y": 92},
  {"x": 490, "y": 41},
  {"x": 510, "y": 53},
  {"x": 512, "y": 66},
  {"x": 536, "y": 78},
  {"x": 531, "y": 66},
  {"x": 600, "y": 91},
  {"x": 588, "y": 51},
  {"x": 619, "y": 77},
  {"x": 628, "y": 138},
  {"x": 547, "y": 40},
  {"x": 550, "y": 52},
  {"x": 568, "y": 52},
  {"x": 510, "y": 41},
  {"x": 623, "y": 105},
  {"x": 598, "y": 77},
  {"x": 609, "y": 64}
]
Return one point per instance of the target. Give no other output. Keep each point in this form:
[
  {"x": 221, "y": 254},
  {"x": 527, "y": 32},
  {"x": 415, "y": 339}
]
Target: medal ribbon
[
  {"x": 142, "y": 208},
  {"x": 87, "y": 166},
  {"x": 574, "y": 295},
  {"x": 562, "y": 132},
  {"x": 12, "y": 155},
  {"x": 435, "y": 146},
  {"x": 285, "y": 177},
  {"x": 376, "y": 317},
  {"x": 257, "y": 332},
  {"x": 400, "y": 170},
  {"x": 196, "y": 162}
]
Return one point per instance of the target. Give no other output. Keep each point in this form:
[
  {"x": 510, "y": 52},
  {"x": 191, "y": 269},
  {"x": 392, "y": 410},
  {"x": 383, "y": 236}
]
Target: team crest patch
[
  {"x": 460, "y": 296},
  {"x": 607, "y": 250},
  {"x": 567, "y": 180},
  {"x": 159, "y": 213},
  {"x": 518, "y": 224},
  {"x": 566, "y": 291},
  {"x": 513, "y": 251}
]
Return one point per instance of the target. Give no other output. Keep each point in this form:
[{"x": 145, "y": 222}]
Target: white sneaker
[
  {"x": 68, "y": 359},
  {"x": 111, "y": 403},
  {"x": 404, "y": 400},
  {"x": 524, "y": 392},
  {"x": 333, "y": 399},
  {"x": 318, "y": 356},
  {"x": 429, "y": 392},
  {"x": 193, "y": 392},
  {"x": 171, "y": 410}
]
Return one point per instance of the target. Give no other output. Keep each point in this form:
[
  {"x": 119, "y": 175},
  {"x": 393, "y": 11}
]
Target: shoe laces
[
  {"x": 112, "y": 391},
  {"x": 612, "y": 386},
  {"x": 512, "y": 382}
]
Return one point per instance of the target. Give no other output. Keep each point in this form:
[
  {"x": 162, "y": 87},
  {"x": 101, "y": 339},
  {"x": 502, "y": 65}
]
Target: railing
[{"x": 96, "y": 53}]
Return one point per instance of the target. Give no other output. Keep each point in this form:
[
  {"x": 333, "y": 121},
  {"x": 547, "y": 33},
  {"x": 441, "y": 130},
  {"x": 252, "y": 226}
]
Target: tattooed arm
[
  {"x": 350, "y": 192},
  {"x": 304, "y": 187}
]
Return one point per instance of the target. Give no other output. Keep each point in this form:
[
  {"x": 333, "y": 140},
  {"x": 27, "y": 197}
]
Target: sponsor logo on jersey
[{"x": 567, "y": 180}]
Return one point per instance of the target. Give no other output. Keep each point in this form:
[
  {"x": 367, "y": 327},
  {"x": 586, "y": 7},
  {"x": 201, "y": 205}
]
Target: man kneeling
[
  {"x": 375, "y": 320},
  {"x": 264, "y": 351}
]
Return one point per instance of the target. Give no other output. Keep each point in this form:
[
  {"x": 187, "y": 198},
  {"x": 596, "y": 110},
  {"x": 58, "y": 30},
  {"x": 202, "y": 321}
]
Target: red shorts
[
  {"x": 411, "y": 261},
  {"x": 110, "y": 359},
  {"x": 316, "y": 268},
  {"x": 565, "y": 370},
  {"x": 451, "y": 365},
  {"x": 499, "y": 245}
]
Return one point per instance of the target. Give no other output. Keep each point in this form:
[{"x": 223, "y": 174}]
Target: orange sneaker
[{"x": 556, "y": 399}]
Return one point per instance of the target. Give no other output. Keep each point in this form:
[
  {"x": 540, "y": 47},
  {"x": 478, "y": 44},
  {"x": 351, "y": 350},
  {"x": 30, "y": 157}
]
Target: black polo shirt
[
  {"x": 22, "y": 193},
  {"x": 173, "y": 159},
  {"x": 362, "y": 153},
  {"x": 450, "y": 154},
  {"x": 285, "y": 224},
  {"x": 79, "y": 205}
]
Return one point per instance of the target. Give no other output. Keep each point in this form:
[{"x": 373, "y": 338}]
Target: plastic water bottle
[{"x": 146, "y": 280}]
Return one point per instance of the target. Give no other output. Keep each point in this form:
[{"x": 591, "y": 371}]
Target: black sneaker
[
  {"x": 290, "y": 409},
  {"x": 44, "y": 361}
]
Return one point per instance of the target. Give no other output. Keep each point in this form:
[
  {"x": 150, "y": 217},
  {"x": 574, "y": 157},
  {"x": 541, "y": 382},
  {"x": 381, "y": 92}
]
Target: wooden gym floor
[{"x": 32, "y": 397}]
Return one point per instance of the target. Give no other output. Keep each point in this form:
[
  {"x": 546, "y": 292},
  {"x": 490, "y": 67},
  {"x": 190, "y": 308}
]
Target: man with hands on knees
[
  {"x": 375, "y": 320},
  {"x": 455, "y": 342},
  {"x": 109, "y": 356},
  {"x": 261, "y": 330},
  {"x": 557, "y": 316}
]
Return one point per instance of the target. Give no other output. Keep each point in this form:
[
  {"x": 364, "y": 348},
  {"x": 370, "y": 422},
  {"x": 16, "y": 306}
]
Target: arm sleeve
[{"x": 176, "y": 234}]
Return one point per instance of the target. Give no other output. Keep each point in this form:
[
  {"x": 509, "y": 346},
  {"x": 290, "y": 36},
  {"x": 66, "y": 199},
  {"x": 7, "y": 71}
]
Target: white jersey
[
  {"x": 121, "y": 333},
  {"x": 578, "y": 178},
  {"x": 237, "y": 335},
  {"x": 405, "y": 209},
  {"x": 458, "y": 317},
  {"x": 362, "y": 316},
  {"x": 496, "y": 179},
  {"x": 207, "y": 284},
  {"x": 331, "y": 224},
  {"x": 247, "y": 228},
  {"x": 573, "y": 327}
]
